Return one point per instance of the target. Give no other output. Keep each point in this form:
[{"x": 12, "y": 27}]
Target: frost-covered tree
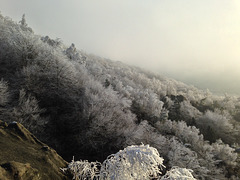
[
  {"x": 145, "y": 133},
  {"x": 207, "y": 154},
  {"x": 24, "y": 24},
  {"x": 55, "y": 43},
  {"x": 224, "y": 153},
  {"x": 72, "y": 53},
  {"x": 27, "y": 112},
  {"x": 23, "y": 21},
  {"x": 147, "y": 104},
  {"x": 20, "y": 46},
  {"x": 183, "y": 157},
  {"x": 215, "y": 126},
  {"x": 189, "y": 113},
  {"x": 108, "y": 116},
  {"x": 4, "y": 94}
]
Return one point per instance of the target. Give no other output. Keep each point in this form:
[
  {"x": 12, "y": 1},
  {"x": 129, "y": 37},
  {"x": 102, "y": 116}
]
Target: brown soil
[{"x": 23, "y": 156}]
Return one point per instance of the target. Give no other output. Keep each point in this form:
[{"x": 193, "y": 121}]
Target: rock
[
  {"x": 23, "y": 156},
  {"x": 15, "y": 170}
]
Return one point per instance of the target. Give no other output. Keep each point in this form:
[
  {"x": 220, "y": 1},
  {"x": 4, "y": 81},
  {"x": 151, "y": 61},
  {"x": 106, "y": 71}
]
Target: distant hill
[{"x": 90, "y": 107}]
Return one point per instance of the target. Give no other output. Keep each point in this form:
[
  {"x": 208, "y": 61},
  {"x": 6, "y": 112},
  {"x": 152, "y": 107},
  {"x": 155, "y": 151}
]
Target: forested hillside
[{"x": 90, "y": 107}]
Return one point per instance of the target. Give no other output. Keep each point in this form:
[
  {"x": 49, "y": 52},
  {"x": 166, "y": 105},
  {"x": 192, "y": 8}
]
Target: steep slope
[
  {"x": 23, "y": 156},
  {"x": 89, "y": 107}
]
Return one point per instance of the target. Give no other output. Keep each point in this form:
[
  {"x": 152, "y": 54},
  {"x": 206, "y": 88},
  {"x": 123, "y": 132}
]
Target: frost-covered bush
[
  {"x": 133, "y": 163},
  {"x": 83, "y": 169},
  {"x": 177, "y": 173}
]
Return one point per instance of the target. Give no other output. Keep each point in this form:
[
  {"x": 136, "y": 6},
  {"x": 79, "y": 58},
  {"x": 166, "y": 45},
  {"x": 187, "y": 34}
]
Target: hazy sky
[{"x": 196, "y": 41}]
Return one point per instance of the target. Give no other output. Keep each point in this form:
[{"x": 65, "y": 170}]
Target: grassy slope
[{"x": 24, "y": 157}]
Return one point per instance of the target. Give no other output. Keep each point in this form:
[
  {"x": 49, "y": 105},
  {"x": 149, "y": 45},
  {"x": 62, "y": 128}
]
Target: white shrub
[
  {"x": 83, "y": 169},
  {"x": 134, "y": 162},
  {"x": 177, "y": 173}
]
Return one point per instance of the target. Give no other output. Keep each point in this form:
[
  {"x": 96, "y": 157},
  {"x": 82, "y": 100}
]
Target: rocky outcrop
[{"x": 24, "y": 157}]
